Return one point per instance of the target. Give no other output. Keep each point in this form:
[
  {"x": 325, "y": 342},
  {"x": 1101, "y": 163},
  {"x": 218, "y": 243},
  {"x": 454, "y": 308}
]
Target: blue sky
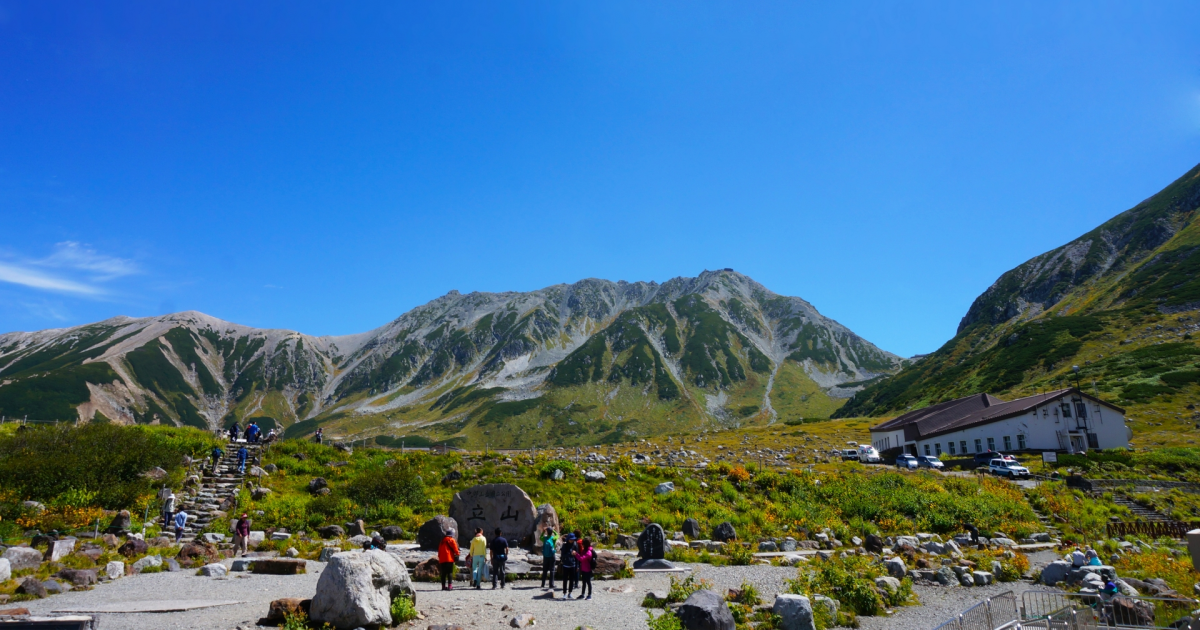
[{"x": 325, "y": 167}]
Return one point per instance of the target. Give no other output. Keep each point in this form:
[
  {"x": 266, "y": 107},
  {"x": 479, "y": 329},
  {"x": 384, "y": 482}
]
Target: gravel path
[
  {"x": 939, "y": 604},
  {"x": 255, "y": 591}
]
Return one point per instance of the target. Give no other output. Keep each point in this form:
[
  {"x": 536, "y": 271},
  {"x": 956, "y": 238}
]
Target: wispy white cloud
[
  {"x": 72, "y": 255},
  {"x": 72, "y": 268},
  {"x": 36, "y": 279},
  {"x": 47, "y": 310}
]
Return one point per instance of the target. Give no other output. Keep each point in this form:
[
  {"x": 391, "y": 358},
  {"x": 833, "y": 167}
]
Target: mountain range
[
  {"x": 1120, "y": 303},
  {"x": 587, "y": 362}
]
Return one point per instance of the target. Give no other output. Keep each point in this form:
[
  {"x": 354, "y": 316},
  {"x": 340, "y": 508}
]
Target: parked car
[
  {"x": 1005, "y": 468},
  {"x": 850, "y": 454},
  {"x": 929, "y": 461},
  {"x": 986, "y": 457},
  {"x": 907, "y": 462},
  {"x": 868, "y": 454}
]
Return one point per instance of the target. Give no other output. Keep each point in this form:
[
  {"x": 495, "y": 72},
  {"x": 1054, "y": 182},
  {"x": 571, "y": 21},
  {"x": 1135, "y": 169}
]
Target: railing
[
  {"x": 1081, "y": 611},
  {"x": 990, "y": 614},
  {"x": 1153, "y": 529}
]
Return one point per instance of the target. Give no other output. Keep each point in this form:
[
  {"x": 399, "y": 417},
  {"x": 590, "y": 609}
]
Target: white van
[{"x": 868, "y": 454}]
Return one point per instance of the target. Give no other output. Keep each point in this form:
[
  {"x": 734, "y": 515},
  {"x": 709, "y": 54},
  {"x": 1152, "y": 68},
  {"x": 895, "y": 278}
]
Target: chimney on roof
[{"x": 986, "y": 402}]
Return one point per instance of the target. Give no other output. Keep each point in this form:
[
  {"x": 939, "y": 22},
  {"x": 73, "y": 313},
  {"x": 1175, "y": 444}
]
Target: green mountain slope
[
  {"x": 589, "y": 362},
  {"x": 1121, "y": 302}
]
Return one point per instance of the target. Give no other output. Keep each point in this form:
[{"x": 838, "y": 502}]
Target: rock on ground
[
  {"x": 357, "y": 588},
  {"x": 705, "y": 610},
  {"x": 23, "y": 558},
  {"x": 795, "y": 612}
]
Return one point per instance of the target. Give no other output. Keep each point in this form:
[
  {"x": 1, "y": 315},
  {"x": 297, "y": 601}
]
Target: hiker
[
  {"x": 254, "y": 432},
  {"x": 1078, "y": 558},
  {"x": 587, "y": 564},
  {"x": 271, "y": 437},
  {"x": 376, "y": 542},
  {"x": 217, "y": 454},
  {"x": 233, "y": 432},
  {"x": 499, "y": 548},
  {"x": 569, "y": 564},
  {"x": 549, "y": 549},
  {"x": 478, "y": 553},
  {"x": 1093, "y": 558},
  {"x": 974, "y": 531},
  {"x": 241, "y": 536},
  {"x": 167, "y": 510},
  {"x": 242, "y": 455},
  {"x": 447, "y": 555},
  {"x": 181, "y": 518},
  {"x": 320, "y": 435}
]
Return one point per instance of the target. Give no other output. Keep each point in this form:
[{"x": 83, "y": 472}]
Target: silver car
[{"x": 907, "y": 462}]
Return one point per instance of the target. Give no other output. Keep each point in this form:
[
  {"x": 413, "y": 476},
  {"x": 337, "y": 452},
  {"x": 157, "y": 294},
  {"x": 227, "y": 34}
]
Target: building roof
[{"x": 971, "y": 411}]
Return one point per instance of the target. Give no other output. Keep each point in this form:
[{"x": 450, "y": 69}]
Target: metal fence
[
  {"x": 1081, "y": 611},
  {"x": 1154, "y": 529},
  {"x": 990, "y": 614}
]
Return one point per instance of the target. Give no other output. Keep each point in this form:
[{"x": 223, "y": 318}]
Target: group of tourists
[
  {"x": 575, "y": 556},
  {"x": 251, "y": 434}
]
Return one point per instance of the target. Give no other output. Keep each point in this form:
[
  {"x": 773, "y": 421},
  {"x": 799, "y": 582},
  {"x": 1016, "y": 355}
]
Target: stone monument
[
  {"x": 493, "y": 505},
  {"x": 652, "y": 548}
]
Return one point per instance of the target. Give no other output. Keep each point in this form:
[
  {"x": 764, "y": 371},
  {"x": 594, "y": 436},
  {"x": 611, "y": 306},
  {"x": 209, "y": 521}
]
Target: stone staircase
[
  {"x": 217, "y": 486},
  {"x": 1140, "y": 512}
]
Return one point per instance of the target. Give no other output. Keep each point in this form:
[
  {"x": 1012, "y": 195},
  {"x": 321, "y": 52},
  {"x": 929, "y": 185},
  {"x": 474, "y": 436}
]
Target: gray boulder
[
  {"x": 146, "y": 563},
  {"x": 935, "y": 548},
  {"x": 331, "y": 531},
  {"x": 691, "y": 528},
  {"x": 215, "y": 569},
  {"x": 911, "y": 541},
  {"x": 593, "y": 475},
  {"x": 557, "y": 475},
  {"x": 768, "y": 545},
  {"x": 945, "y": 577},
  {"x": 887, "y": 584},
  {"x": 357, "y": 587},
  {"x": 5, "y": 570},
  {"x": 392, "y": 532},
  {"x": 23, "y": 558},
  {"x": 724, "y": 532},
  {"x": 982, "y": 578},
  {"x": 59, "y": 549},
  {"x": 665, "y": 487},
  {"x": 114, "y": 570},
  {"x": 966, "y": 580},
  {"x": 705, "y": 610},
  {"x": 830, "y": 605},
  {"x": 1055, "y": 572},
  {"x": 31, "y": 586},
  {"x": 795, "y": 612},
  {"x": 327, "y": 553},
  {"x": 434, "y": 530},
  {"x": 895, "y": 567}
]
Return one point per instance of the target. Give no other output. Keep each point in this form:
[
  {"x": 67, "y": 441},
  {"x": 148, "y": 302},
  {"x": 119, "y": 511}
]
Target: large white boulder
[
  {"x": 23, "y": 558},
  {"x": 357, "y": 587},
  {"x": 5, "y": 570}
]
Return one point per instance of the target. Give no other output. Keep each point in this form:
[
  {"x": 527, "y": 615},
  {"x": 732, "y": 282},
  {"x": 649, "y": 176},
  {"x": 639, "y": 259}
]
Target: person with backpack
[
  {"x": 569, "y": 564},
  {"x": 181, "y": 518},
  {"x": 549, "y": 551},
  {"x": 447, "y": 555},
  {"x": 587, "y": 564},
  {"x": 320, "y": 435},
  {"x": 242, "y": 455},
  {"x": 168, "y": 510},
  {"x": 217, "y": 454},
  {"x": 233, "y": 432},
  {"x": 499, "y": 548}
]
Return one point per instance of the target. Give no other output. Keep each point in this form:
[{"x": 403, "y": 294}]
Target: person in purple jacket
[{"x": 241, "y": 536}]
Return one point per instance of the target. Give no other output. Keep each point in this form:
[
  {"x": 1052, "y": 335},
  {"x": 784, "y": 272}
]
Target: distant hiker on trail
[
  {"x": 233, "y": 432},
  {"x": 549, "y": 551},
  {"x": 974, "y": 531},
  {"x": 271, "y": 436},
  {"x": 168, "y": 509},
  {"x": 447, "y": 555},
  {"x": 376, "y": 542},
  {"x": 570, "y": 565},
  {"x": 241, "y": 536},
  {"x": 320, "y": 435},
  {"x": 587, "y": 564},
  {"x": 181, "y": 518},
  {"x": 478, "y": 558},
  {"x": 499, "y": 547},
  {"x": 217, "y": 454},
  {"x": 242, "y": 455}
]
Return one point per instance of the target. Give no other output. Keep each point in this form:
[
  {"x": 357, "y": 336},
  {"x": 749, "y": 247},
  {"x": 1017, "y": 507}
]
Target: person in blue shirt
[
  {"x": 549, "y": 551},
  {"x": 242, "y": 455},
  {"x": 181, "y": 518}
]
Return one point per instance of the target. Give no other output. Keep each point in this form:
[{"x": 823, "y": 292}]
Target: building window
[
  {"x": 1021, "y": 441},
  {"x": 1093, "y": 440},
  {"x": 1066, "y": 410},
  {"x": 1080, "y": 410},
  {"x": 1007, "y": 443},
  {"x": 937, "y": 448},
  {"x": 963, "y": 444},
  {"x": 991, "y": 444},
  {"x": 950, "y": 446},
  {"x": 926, "y": 449},
  {"x": 978, "y": 446}
]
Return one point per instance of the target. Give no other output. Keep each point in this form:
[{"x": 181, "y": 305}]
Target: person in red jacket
[{"x": 447, "y": 556}]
